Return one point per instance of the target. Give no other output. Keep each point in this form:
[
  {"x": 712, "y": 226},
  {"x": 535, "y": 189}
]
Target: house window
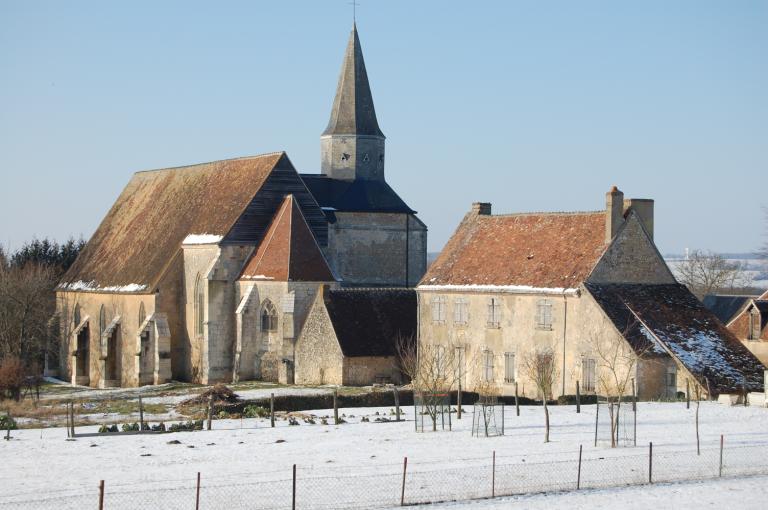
[
  {"x": 487, "y": 366},
  {"x": 589, "y": 374},
  {"x": 672, "y": 378},
  {"x": 438, "y": 309},
  {"x": 509, "y": 367},
  {"x": 199, "y": 306},
  {"x": 754, "y": 325},
  {"x": 494, "y": 313},
  {"x": 544, "y": 315},
  {"x": 461, "y": 311},
  {"x": 268, "y": 317}
]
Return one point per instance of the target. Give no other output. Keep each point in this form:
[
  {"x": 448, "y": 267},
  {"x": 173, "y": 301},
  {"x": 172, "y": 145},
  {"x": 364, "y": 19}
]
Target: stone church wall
[
  {"x": 126, "y": 306},
  {"x": 367, "y": 370},
  {"x": 319, "y": 359},
  {"x": 370, "y": 249}
]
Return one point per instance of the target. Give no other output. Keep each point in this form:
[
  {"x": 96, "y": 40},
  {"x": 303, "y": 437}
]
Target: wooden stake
[
  {"x": 210, "y": 412},
  {"x": 493, "y": 476},
  {"x": 397, "y": 402},
  {"x": 517, "y": 402},
  {"x": 293, "y": 500},
  {"x": 101, "y": 495},
  {"x": 141, "y": 415},
  {"x": 458, "y": 401},
  {"x": 722, "y": 439},
  {"x": 67, "y": 415},
  {"x": 578, "y": 476},
  {"x": 650, "y": 462},
  {"x": 597, "y": 414},
  {"x": 687, "y": 393},
  {"x": 578, "y": 398},
  {"x": 402, "y": 491},
  {"x": 272, "y": 410},
  {"x": 72, "y": 417},
  {"x": 336, "y": 406},
  {"x": 197, "y": 495}
]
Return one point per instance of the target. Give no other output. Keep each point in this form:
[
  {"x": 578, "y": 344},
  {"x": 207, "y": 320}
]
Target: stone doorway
[{"x": 80, "y": 367}]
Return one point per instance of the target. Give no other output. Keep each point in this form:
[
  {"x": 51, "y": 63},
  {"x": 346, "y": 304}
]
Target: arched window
[
  {"x": 142, "y": 314},
  {"x": 268, "y": 317},
  {"x": 102, "y": 320},
  {"x": 199, "y": 306},
  {"x": 76, "y": 315}
]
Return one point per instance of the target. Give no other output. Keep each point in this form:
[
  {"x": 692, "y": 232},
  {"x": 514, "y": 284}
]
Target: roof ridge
[
  {"x": 240, "y": 158},
  {"x": 541, "y": 213}
]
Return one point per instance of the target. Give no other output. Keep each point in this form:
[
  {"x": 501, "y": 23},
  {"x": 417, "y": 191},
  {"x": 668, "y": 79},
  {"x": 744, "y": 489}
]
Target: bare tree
[
  {"x": 433, "y": 370},
  {"x": 707, "y": 273},
  {"x": 616, "y": 364},
  {"x": 541, "y": 368}
]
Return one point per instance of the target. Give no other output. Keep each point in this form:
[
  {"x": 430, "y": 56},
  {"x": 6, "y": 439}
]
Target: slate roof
[
  {"x": 725, "y": 307},
  {"x": 233, "y": 199},
  {"x": 288, "y": 251},
  {"x": 669, "y": 315},
  {"x": 353, "y": 112},
  {"x": 368, "y": 322},
  {"x": 359, "y": 195},
  {"x": 543, "y": 250}
]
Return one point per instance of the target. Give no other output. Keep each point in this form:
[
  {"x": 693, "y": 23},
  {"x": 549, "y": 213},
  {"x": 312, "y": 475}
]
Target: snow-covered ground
[{"x": 359, "y": 465}]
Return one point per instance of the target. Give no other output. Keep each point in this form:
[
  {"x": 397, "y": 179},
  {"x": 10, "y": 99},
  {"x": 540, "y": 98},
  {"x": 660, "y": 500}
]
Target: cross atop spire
[
  {"x": 354, "y": 13},
  {"x": 353, "y": 112}
]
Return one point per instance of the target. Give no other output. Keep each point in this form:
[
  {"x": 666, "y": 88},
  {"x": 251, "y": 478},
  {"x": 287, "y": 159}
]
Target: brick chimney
[
  {"x": 614, "y": 213},
  {"x": 643, "y": 207},
  {"x": 482, "y": 208}
]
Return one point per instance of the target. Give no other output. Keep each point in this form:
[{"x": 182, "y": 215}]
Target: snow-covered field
[{"x": 247, "y": 464}]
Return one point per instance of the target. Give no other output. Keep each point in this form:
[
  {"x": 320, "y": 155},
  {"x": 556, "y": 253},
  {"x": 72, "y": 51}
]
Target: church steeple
[{"x": 353, "y": 145}]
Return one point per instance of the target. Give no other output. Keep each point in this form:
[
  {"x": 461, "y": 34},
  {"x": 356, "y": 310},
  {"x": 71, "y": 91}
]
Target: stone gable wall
[
  {"x": 631, "y": 258},
  {"x": 319, "y": 359}
]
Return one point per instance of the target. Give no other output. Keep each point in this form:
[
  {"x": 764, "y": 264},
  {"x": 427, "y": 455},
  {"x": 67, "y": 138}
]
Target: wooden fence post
[
  {"x": 650, "y": 462},
  {"x": 578, "y": 398},
  {"x": 687, "y": 393},
  {"x": 597, "y": 414},
  {"x": 458, "y": 401},
  {"x": 293, "y": 499},
  {"x": 493, "y": 476},
  {"x": 210, "y": 412},
  {"x": 720, "y": 472},
  {"x": 402, "y": 491},
  {"x": 141, "y": 415},
  {"x": 272, "y": 410},
  {"x": 101, "y": 495},
  {"x": 336, "y": 406},
  {"x": 578, "y": 476},
  {"x": 397, "y": 402},
  {"x": 72, "y": 417},
  {"x": 197, "y": 494},
  {"x": 517, "y": 401}
]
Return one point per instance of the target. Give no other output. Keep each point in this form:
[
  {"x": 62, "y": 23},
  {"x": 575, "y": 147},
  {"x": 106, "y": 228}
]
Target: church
[{"x": 208, "y": 272}]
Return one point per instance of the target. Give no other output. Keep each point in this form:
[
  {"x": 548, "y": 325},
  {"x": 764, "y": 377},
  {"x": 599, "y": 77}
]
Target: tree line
[{"x": 28, "y": 329}]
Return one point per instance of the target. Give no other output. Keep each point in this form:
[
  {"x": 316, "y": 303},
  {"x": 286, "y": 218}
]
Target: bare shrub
[
  {"x": 541, "y": 368},
  {"x": 13, "y": 375}
]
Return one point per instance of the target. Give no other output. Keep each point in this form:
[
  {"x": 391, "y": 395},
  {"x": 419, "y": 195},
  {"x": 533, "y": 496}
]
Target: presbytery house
[
  {"x": 750, "y": 325},
  {"x": 207, "y": 272},
  {"x": 589, "y": 289}
]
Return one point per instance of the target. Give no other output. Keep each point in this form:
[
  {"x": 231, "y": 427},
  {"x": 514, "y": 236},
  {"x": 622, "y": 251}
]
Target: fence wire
[{"x": 419, "y": 484}]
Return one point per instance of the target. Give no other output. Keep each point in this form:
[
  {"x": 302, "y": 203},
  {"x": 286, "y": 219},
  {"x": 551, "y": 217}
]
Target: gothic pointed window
[
  {"x": 102, "y": 320},
  {"x": 142, "y": 314},
  {"x": 76, "y": 316},
  {"x": 268, "y": 317},
  {"x": 199, "y": 304}
]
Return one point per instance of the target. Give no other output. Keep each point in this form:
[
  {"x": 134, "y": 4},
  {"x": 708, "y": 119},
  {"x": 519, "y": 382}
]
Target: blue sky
[{"x": 538, "y": 105}]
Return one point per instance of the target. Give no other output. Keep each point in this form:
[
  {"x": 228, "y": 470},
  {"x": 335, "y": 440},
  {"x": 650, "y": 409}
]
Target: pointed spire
[
  {"x": 353, "y": 112},
  {"x": 288, "y": 250}
]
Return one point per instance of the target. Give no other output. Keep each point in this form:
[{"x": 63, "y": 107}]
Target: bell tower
[{"x": 352, "y": 146}]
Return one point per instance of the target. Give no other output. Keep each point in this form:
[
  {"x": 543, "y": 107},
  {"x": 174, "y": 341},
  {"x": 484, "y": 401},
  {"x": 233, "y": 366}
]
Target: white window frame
[
  {"x": 487, "y": 365},
  {"x": 493, "y": 319},
  {"x": 589, "y": 374},
  {"x": 509, "y": 368},
  {"x": 461, "y": 311},
  {"x": 544, "y": 317},
  {"x": 439, "y": 304}
]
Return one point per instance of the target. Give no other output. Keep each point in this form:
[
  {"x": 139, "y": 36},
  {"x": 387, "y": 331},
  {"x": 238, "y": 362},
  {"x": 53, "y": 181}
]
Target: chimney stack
[
  {"x": 614, "y": 213},
  {"x": 643, "y": 207},
  {"x": 482, "y": 208}
]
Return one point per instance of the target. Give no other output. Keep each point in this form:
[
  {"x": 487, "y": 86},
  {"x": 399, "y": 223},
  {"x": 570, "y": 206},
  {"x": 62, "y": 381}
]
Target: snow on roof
[
  {"x": 504, "y": 289},
  {"x": 92, "y": 286},
  {"x": 202, "y": 239},
  {"x": 672, "y": 317}
]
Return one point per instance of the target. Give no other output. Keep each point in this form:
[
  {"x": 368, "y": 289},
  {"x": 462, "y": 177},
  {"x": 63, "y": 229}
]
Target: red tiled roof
[
  {"x": 288, "y": 251},
  {"x": 547, "y": 250}
]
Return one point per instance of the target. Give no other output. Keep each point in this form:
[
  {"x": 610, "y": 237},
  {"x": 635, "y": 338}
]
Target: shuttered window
[
  {"x": 509, "y": 367},
  {"x": 544, "y": 314},
  {"x": 461, "y": 311}
]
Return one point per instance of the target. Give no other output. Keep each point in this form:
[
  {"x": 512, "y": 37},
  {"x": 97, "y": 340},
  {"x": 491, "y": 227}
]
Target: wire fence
[{"x": 405, "y": 485}]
